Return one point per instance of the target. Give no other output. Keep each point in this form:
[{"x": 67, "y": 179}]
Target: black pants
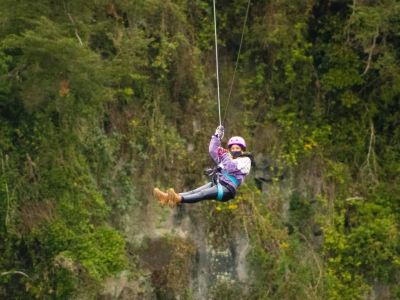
[{"x": 208, "y": 191}]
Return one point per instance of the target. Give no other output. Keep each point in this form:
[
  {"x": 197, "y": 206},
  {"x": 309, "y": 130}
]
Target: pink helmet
[{"x": 237, "y": 140}]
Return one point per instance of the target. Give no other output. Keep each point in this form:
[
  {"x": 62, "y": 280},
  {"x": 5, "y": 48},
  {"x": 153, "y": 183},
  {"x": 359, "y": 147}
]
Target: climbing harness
[
  {"x": 212, "y": 173},
  {"x": 232, "y": 179},
  {"x": 217, "y": 62}
]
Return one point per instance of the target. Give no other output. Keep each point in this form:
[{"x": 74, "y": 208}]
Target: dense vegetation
[{"x": 101, "y": 100}]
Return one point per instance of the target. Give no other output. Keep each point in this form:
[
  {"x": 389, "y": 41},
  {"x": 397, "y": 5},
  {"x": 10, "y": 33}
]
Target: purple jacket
[{"x": 238, "y": 167}]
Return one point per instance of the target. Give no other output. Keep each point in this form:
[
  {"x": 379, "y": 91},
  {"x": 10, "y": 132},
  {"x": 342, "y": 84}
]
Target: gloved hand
[
  {"x": 219, "y": 132},
  {"x": 221, "y": 151}
]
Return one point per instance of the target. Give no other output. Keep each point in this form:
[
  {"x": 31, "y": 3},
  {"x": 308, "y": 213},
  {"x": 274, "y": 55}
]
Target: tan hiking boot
[
  {"x": 161, "y": 196},
  {"x": 173, "y": 198}
]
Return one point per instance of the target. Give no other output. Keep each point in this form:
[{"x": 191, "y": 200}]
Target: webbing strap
[
  {"x": 220, "y": 190},
  {"x": 237, "y": 60},
  {"x": 231, "y": 178}
]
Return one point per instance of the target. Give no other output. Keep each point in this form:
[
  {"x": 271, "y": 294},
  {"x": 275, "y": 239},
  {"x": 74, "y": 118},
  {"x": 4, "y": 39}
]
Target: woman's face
[{"x": 234, "y": 148}]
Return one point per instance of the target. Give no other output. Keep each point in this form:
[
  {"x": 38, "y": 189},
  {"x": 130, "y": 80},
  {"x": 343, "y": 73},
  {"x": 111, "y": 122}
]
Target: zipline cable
[
  {"x": 237, "y": 58},
  {"x": 216, "y": 62}
]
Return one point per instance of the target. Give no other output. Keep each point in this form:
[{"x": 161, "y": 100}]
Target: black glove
[{"x": 219, "y": 132}]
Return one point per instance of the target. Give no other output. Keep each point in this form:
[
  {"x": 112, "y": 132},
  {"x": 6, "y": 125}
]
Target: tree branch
[
  {"x": 73, "y": 23},
  {"x": 347, "y": 27},
  {"x": 316, "y": 261},
  {"x": 354, "y": 198},
  {"x": 371, "y": 155},
  {"x": 371, "y": 50},
  {"x": 371, "y": 143},
  {"x": 76, "y": 30},
  {"x": 7, "y": 191},
  {"x": 14, "y": 272}
]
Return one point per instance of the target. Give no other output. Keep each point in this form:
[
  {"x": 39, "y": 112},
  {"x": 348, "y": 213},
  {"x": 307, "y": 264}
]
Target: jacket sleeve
[
  {"x": 242, "y": 164},
  {"x": 215, "y": 143}
]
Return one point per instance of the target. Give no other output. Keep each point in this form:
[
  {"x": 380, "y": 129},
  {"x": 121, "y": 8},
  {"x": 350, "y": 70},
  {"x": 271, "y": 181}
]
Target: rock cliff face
[
  {"x": 179, "y": 258},
  {"x": 180, "y": 255}
]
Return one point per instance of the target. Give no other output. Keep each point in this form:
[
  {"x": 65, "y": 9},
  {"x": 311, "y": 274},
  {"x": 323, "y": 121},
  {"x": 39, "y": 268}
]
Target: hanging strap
[
  {"x": 237, "y": 58},
  {"x": 216, "y": 61}
]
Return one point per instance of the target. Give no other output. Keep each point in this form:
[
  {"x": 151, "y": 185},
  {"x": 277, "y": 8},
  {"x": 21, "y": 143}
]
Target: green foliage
[
  {"x": 303, "y": 139},
  {"x": 300, "y": 211},
  {"x": 283, "y": 265},
  {"x": 361, "y": 226},
  {"x": 101, "y": 253},
  {"x": 343, "y": 72},
  {"x": 100, "y": 100},
  {"x": 331, "y": 115}
]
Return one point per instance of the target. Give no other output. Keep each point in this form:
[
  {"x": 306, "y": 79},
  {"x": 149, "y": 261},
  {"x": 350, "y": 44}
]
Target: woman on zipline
[{"x": 233, "y": 165}]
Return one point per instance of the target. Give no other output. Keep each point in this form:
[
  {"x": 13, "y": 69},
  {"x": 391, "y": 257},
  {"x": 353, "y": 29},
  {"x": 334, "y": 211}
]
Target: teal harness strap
[
  {"x": 231, "y": 178},
  {"x": 220, "y": 189}
]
